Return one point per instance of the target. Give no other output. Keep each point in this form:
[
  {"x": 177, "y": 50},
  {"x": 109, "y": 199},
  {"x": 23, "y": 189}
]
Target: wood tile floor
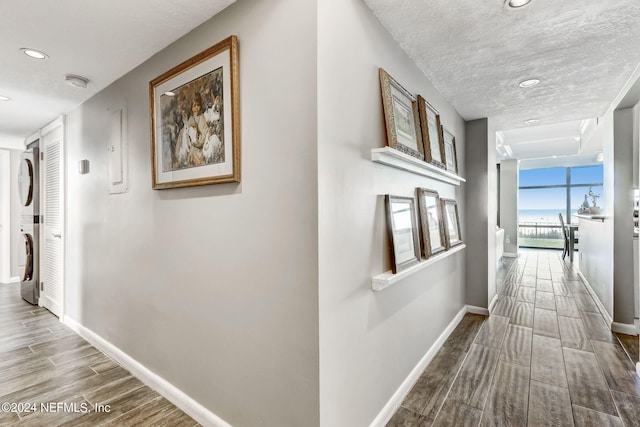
[
  {"x": 545, "y": 357},
  {"x": 42, "y": 362}
]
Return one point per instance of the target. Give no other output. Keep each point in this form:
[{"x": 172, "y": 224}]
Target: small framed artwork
[
  {"x": 452, "y": 234},
  {"x": 195, "y": 120},
  {"x": 403, "y": 232},
  {"x": 431, "y": 136},
  {"x": 401, "y": 117},
  {"x": 449, "y": 151},
  {"x": 433, "y": 241}
]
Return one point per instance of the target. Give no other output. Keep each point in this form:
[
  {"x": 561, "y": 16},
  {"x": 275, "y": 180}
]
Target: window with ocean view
[{"x": 545, "y": 193}]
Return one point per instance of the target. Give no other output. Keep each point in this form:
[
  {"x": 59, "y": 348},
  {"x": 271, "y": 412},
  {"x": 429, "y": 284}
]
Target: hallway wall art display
[
  {"x": 431, "y": 224},
  {"x": 453, "y": 235},
  {"x": 195, "y": 120},
  {"x": 431, "y": 133},
  {"x": 401, "y": 117},
  {"x": 403, "y": 232}
]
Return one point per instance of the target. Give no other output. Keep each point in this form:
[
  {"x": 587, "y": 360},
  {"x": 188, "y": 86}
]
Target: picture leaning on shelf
[
  {"x": 453, "y": 235},
  {"x": 402, "y": 228},
  {"x": 431, "y": 135},
  {"x": 431, "y": 224}
]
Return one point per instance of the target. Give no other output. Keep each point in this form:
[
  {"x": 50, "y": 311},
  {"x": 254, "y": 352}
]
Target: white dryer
[{"x": 29, "y": 197}]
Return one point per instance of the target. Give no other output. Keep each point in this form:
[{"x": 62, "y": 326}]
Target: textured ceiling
[
  {"x": 476, "y": 52},
  {"x": 99, "y": 39}
]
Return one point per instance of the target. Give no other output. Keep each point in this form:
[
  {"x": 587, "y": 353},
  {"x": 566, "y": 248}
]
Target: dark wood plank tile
[
  {"x": 522, "y": 314},
  {"x": 456, "y": 414},
  {"x": 586, "y": 303},
  {"x": 504, "y": 306},
  {"x": 545, "y": 300},
  {"x": 118, "y": 406},
  {"x": 577, "y": 286},
  {"x": 544, "y": 285},
  {"x": 596, "y": 328},
  {"x": 566, "y": 306},
  {"x": 528, "y": 281},
  {"x": 472, "y": 383},
  {"x": 407, "y": 418},
  {"x": 463, "y": 335},
  {"x": 628, "y": 407},
  {"x": 618, "y": 370},
  {"x": 159, "y": 412},
  {"x": 517, "y": 345},
  {"x": 549, "y": 405},
  {"x": 72, "y": 355},
  {"x": 55, "y": 346},
  {"x": 114, "y": 389},
  {"x": 508, "y": 399},
  {"x": 545, "y": 323},
  {"x": 561, "y": 289},
  {"x": 630, "y": 345},
  {"x": 589, "y": 418},
  {"x": 493, "y": 331},
  {"x": 587, "y": 384},
  {"x": 573, "y": 334},
  {"x": 55, "y": 417},
  {"x": 526, "y": 294},
  {"x": 430, "y": 390},
  {"x": 547, "y": 363}
]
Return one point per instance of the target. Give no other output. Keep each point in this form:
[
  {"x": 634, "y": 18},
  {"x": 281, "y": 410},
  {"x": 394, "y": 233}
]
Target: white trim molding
[
  {"x": 595, "y": 297},
  {"x": 493, "y": 303},
  {"x": 624, "y": 328},
  {"x": 176, "y": 396},
  {"x": 396, "y": 399},
  {"x": 510, "y": 255},
  {"x": 477, "y": 310}
]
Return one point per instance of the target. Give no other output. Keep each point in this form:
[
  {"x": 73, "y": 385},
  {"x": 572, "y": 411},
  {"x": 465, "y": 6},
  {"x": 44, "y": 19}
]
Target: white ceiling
[
  {"x": 476, "y": 52},
  {"x": 99, "y": 39}
]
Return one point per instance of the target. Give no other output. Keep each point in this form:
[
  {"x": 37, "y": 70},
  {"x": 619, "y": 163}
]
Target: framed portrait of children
[
  {"x": 449, "y": 151},
  {"x": 431, "y": 135},
  {"x": 401, "y": 117},
  {"x": 403, "y": 232},
  {"x": 453, "y": 236},
  {"x": 195, "y": 120},
  {"x": 433, "y": 240}
]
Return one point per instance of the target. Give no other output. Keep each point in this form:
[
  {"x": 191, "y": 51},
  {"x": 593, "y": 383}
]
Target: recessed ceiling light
[
  {"x": 529, "y": 83},
  {"x": 34, "y": 53},
  {"x": 4, "y": 98},
  {"x": 76, "y": 81},
  {"x": 514, "y": 4},
  {"x": 531, "y": 121}
]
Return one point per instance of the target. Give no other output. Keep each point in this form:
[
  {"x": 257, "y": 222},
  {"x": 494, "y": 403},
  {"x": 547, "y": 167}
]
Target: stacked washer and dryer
[{"x": 28, "y": 188}]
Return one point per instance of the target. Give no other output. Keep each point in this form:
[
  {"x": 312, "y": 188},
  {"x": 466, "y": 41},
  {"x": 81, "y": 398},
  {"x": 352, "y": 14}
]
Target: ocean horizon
[{"x": 542, "y": 215}]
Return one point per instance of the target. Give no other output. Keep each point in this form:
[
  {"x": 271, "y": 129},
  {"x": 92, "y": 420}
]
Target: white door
[{"x": 52, "y": 214}]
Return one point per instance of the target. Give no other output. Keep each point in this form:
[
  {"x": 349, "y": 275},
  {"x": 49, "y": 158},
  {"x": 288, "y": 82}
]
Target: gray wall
[
  {"x": 370, "y": 341},
  {"x": 623, "y": 281},
  {"x": 213, "y": 288},
  {"x": 481, "y": 213},
  {"x": 509, "y": 204}
]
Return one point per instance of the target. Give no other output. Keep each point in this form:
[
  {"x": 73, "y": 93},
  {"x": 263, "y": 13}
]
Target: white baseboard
[
  {"x": 13, "y": 279},
  {"x": 510, "y": 255},
  {"x": 477, "y": 310},
  {"x": 603, "y": 311},
  {"x": 394, "y": 403},
  {"x": 154, "y": 381},
  {"x": 638, "y": 368},
  {"x": 624, "y": 328}
]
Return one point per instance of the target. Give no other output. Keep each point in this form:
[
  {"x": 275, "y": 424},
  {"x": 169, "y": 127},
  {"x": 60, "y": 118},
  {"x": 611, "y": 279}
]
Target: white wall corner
[
  {"x": 603, "y": 310},
  {"x": 396, "y": 399},
  {"x": 493, "y": 303},
  {"x": 624, "y": 328},
  {"x": 478, "y": 310}
]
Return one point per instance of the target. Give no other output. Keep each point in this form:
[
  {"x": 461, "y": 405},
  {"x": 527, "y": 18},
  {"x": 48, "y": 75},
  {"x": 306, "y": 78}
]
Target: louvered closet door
[{"x": 52, "y": 260}]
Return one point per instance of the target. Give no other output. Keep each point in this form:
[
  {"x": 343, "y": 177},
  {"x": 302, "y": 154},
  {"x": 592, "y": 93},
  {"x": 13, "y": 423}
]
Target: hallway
[
  {"x": 44, "y": 363},
  {"x": 544, "y": 357}
]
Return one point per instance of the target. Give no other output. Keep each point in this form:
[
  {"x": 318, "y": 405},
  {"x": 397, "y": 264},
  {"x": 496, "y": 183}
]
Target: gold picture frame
[
  {"x": 401, "y": 117},
  {"x": 402, "y": 227},
  {"x": 195, "y": 120},
  {"x": 449, "y": 151},
  {"x": 431, "y": 136},
  {"x": 431, "y": 224},
  {"x": 453, "y": 235}
]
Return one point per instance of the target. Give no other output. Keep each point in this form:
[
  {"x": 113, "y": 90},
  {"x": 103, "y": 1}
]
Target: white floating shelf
[
  {"x": 386, "y": 279},
  {"x": 397, "y": 159}
]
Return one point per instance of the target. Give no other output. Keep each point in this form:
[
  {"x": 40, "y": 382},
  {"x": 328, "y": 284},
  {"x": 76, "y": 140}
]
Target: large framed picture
[
  {"x": 449, "y": 151},
  {"x": 433, "y": 240},
  {"x": 403, "y": 232},
  {"x": 195, "y": 120},
  {"x": 452, "y": 233},
  {"x": 401, "y": 117},
  {"x": 431, "y": 135}
]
